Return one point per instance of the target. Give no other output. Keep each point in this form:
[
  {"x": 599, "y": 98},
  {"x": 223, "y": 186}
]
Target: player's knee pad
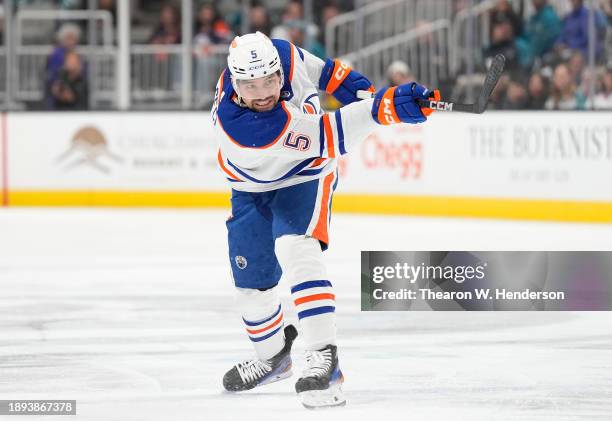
[
  {"x": 300, "y": 258},
  {"x": 256, "y": 305}
]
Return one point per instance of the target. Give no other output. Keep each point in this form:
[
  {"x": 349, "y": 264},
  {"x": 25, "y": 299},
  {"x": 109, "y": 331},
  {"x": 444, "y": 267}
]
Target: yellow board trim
[
  {"x": 475, "y": 207},
  {"x": 120, "y": 199}
]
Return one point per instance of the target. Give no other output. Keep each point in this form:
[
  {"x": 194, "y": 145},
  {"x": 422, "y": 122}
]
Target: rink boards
[{"x": 528, "y": 165}]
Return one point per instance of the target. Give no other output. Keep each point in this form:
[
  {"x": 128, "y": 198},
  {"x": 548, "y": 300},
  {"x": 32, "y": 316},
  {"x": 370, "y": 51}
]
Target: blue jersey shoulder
[
  {"x": 285, "y": 52},
  {"x": 252, "y": 129}
]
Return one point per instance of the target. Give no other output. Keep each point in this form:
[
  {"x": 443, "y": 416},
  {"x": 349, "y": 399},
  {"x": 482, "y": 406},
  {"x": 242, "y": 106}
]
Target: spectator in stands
[
  {"x": 575, "y": 31},
  {"x": 499, "y": 92},
  {"x": 210, "y": 27},
  {"x": 575, "y": 64},
  {"x": 503, "y": 12},
  {"x": 68, "y": 37},
  {"x": 537, "y": 92},
  {"x": 516, "y": 97},
  {"x": 295, "y": 29},
  {"x": 606, "y": 5},
  {"x": 603, "y": 100},
  {"x": 329, "y": 11},
  {"x": 167, "y": 32},
  {"x": 211, "y": 30},
  {"x": 259, "y": 20},
  {"x": 502, "y": 42},
  {"x": 305, "y": 36},
  {"x": 587, "y": 78},
  {"x": 564, "y": 95},
  {"x": 399, "y": 73},
  {"x": 70, "y": 91},
  {"x": 293, "y": 13},
  {"x": 169, "y": 29},
  {"x": 542, "y": 29}
]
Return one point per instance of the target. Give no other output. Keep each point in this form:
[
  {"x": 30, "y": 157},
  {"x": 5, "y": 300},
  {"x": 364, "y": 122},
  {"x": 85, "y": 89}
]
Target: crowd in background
[
  {"x": 213, "y": 29},
  {"x": 547, "y": 57},
  {"x": 65, "y": 84},
  {"x": 546, "y": 54}
]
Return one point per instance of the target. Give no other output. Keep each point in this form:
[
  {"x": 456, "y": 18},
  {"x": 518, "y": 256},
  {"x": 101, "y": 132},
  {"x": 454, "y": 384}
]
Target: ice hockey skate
[
  {"x": 321, "y": 383},
  {"x": 252, "y": 373}
]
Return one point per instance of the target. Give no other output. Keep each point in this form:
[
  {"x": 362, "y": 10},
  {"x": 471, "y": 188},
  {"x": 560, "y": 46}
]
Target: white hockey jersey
[{"x": 292, "y": 143}]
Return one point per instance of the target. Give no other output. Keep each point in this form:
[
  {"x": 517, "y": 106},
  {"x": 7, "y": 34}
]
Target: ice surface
[{"x": 131, "y": 313}]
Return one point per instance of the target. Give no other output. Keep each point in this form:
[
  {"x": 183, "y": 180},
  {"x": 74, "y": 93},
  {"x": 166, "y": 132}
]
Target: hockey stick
[{"x": 491, "y": 79}]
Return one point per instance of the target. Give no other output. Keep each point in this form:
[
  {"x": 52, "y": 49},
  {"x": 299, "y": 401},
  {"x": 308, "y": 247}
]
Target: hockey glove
[
  {"x": 435, "y": 95},
  {"x": 398, "y": 104},
  {"x": 339, "y": 80}
]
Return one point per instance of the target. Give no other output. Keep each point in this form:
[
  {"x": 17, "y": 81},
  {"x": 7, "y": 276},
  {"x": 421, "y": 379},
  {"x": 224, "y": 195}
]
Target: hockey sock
[
  {"x": 262, "y": 315},
  {"x": 301, "y": 259}
]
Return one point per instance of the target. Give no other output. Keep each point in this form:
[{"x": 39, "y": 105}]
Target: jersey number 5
[{"x": 298, "y": 142}]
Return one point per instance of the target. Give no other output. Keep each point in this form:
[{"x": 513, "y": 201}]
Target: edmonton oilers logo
[{"x": 241, "y": 262}]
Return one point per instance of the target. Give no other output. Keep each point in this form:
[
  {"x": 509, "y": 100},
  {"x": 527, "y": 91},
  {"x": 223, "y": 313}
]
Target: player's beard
[{"x": 263, "y": 105}]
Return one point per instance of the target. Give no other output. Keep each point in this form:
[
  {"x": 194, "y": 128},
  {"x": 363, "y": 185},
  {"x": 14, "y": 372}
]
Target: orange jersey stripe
[
  {"x": 309, "y": 109},
  {"x": 329, "y": 136},
  {"x": 386, "y": 110},
  {"x": 317, "y": 161},
  {"x": 314, "y": 297},
  {"x": 340, "y": 73},
  {"x": 256, "y": 331},
  {"x": 320, "y": 231},
  {"x": 292, "y": 63},
  {"x": 224, "y": 168}
]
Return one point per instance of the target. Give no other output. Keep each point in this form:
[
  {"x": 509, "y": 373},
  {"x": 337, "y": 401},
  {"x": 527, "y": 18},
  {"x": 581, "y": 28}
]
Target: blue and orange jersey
[{"x": 292, "y": 143}]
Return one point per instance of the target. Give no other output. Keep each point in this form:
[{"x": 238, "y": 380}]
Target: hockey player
[{"x": 278, "y": 152}]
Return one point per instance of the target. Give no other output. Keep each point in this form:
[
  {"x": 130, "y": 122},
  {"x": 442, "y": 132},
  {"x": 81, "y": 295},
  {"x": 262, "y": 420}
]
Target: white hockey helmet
[{"x": 252, "y": 56}]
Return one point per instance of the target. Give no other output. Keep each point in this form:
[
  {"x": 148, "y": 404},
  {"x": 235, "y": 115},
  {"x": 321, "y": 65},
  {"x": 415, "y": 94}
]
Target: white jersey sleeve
[
  {"x": 335, "y": 133},
  {"x": 314, "y": 66}
]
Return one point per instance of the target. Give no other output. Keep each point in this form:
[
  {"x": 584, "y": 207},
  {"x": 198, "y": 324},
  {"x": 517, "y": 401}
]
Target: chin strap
[{"x": 239, "y": 101}]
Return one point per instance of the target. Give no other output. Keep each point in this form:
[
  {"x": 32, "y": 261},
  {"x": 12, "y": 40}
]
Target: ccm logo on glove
[
  {"x": 386, "y": 113},
  {"x": 399, "y": 104},
  {"x": 341, "y": 71}
]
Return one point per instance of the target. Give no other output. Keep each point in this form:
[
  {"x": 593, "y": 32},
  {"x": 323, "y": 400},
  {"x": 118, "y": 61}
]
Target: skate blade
[{"x": 319, "y": 399}]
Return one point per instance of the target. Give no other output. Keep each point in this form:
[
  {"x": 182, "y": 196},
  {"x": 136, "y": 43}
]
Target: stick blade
[{"x": 493, "y": 75}]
